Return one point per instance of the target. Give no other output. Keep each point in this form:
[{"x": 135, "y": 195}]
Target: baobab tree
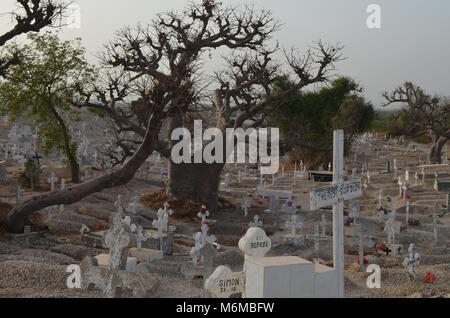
[
  {"x": 162, "y": 64},
  {"x": 427, "y": 115},
  {"x": 30, "y": 16}
]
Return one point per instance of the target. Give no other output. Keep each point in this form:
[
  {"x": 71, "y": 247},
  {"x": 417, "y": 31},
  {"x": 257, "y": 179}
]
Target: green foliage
[
  {"x": 381, "y": 122},
  {"x": 31, "y": 171},
  {"x": 307, "y": 119},
  {"x": 52, "y": 76}
]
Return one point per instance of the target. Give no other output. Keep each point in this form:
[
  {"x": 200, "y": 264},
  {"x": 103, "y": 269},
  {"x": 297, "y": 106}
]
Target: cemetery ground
[{"x": 36, "y": 266}]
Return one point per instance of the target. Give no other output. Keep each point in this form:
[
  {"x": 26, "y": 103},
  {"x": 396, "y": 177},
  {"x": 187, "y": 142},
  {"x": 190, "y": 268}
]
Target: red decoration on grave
[
  {"x": 365, "y": 261},
  {"x": 202, "y": 209},
  {"x": 408, "y": 196},
  {"x": 429, "y": 278},
  {"x": 260, "y": 202}
]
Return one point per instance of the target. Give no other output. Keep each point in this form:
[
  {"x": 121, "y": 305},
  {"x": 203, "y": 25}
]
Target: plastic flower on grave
[
  {"x": 202, "y": 209},
  {"x": 260, "y": 202},
  {"x": 429, "y": 278},
  {"x": 408, "y": 196},
  {"x": 365, "y": 261}
]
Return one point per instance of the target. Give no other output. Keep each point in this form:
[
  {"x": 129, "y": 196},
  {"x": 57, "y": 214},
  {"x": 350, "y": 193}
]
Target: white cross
[
  {"x": 256, "y": 222},
  {"x": 119, "y": 205},
  {"x": 380, "y": 198},
  {"x": 167, "y": 213},
  {"x": 245, "y": 207},
  {"x": 203, "y": 215},
  {"x": 63, "y": 185},
  {"x": 160, "y": 224},
  {"x": 53, "y": 178},
  {"x": 317, "y": 238},
  {"x": 141, "y": 236},
  {"x": 407, "y": 211},
  {"x": 361, "y": 249},
  {"x": 435, "y": 227},
  {"x": 411, "y": 261},
  {"x": 293, "y": 224},
  {"x": 335, "y": 195},
  {"x": 19, "y": 194}
]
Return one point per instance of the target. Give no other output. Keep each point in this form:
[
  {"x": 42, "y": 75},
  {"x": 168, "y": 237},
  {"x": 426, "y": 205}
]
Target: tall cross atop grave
[{"x": 335, "y": 195}]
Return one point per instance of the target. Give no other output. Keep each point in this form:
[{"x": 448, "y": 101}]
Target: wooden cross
[{"x": 335, "y": 195}]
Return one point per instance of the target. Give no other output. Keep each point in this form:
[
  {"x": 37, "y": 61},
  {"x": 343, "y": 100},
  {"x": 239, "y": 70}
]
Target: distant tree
[
  {"x": 422, "y": 114},
  {"x": 51, "y": 76},
  {"x": 30, "y": 16},
  {"x": 307, "y": 119}
]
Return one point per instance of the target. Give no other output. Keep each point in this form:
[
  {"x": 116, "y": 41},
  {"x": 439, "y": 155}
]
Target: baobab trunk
[
  {"x": 197, "y": 182},
  {"x": 193, "y": 181},
  {"x": 17, "y": 216},
  {"x": 435, "y": 154}
]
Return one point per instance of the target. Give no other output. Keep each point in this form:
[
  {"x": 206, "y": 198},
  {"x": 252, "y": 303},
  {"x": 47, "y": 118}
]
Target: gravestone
[
  {"x": 223, "y": 282},
  {"x": 113, "y": 278}
]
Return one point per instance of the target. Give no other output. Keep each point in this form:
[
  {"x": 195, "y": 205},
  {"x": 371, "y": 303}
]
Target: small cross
[
  {"x": 53, "y": 178},
  {"x": 293, "y": 224},
  {"x": 245, "y": 207},
  {"x": 411, "y": 261},
  {"x": 256, "y": 222},
  {"x": 203, "y": 214},
  {"x": 140, "y": 237}
]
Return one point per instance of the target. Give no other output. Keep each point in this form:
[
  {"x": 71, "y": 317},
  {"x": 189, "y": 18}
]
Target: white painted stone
[{"x": 279, "y": 277}]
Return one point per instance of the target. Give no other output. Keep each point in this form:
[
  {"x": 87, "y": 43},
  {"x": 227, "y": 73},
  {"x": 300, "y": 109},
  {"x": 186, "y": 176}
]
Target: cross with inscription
[{"x": 335, "y": 195}]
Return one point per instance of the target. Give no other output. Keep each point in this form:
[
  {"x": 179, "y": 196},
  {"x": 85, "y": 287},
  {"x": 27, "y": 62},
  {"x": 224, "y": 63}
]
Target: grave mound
[{"x": 183, "y": 209}]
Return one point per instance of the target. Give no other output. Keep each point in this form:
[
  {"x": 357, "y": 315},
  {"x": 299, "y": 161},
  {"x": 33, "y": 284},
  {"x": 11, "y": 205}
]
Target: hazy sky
[{"x": 413, "y": 42}]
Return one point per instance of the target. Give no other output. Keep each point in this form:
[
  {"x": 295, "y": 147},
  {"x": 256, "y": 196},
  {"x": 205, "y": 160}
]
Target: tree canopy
[
  {"x": 51, "y": 77},
  {"x": 307, "y": 119}
]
